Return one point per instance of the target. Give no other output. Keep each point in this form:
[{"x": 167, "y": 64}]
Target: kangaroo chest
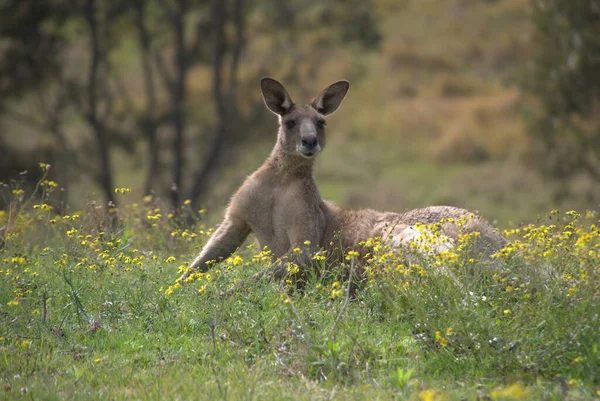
[
  {"x": 266, "y": 222},
  {"x": 276, "y": 213}
]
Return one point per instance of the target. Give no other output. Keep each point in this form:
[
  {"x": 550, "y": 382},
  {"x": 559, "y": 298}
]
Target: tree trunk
[
  {"x": 148, "y": 122},
  {"x": 210, "y": 164},
  {"x": 240, "y": 41},
  {"x": 178, "y": 98},
  {"x": 105, "y": 175}
]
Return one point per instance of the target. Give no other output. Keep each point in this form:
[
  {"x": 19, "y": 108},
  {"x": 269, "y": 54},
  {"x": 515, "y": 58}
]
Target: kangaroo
[{"x": 280, "y": 202}]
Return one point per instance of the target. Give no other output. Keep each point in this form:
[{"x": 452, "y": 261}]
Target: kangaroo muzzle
[{"x": 309, "y": 143}]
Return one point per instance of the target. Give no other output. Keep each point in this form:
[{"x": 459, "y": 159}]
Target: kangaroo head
[{"x": 302, "y": 128}]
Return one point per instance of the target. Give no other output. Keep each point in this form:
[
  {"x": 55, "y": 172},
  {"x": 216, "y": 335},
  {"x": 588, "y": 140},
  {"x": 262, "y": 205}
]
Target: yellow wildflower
[
  {"x": 427, "y": 395},
  {"x": 318, "y": 256},
  {"x": 515, "y": 391},
  {"x": 293, "y": 268},
  {"x": 440, "y": 339}
]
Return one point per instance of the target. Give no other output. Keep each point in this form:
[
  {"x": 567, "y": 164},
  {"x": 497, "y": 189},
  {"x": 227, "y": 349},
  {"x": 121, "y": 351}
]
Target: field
[
  {"x": 90, "y": 305},
  {"x": 92, "y": 313}
]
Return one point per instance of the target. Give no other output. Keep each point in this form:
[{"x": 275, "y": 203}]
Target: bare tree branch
[
  {"x": 92, "y": 98},
  {"x": 210, "y": 163},
  {"x": 178, "y": 98},
  {"x": 240, "y": 41},
  {"x": 167, "y": 10},
  {"x": 147, "y": 122},
  {"x": 123, "y": 92},
  {"x": 161, "y": 67}
]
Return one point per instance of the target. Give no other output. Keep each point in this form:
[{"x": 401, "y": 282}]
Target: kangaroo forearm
[{"x": 228, "y": 237}]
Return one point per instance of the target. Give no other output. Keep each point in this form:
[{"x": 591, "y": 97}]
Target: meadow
[{"x": 90, "y": 308}]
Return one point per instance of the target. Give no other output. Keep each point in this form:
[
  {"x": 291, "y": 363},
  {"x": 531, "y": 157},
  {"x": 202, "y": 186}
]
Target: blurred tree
[
  {"x": 31, "y": 41},
  {"x": 306, "y": 32},
  {"x": 31, "y": 38},
  {"x": 148, "y": 122},
  {"x": 38, "y": 40},
  {"x": 175, "y": 16},
  {"x": 90, "y": 106},
  {"x": 565, "y": 77},
  {"x": 209, "y": 21},
  {"x": 222, "y": 106},
  {"x": 65, "y": 60},
  {"x": 323, "y": 27},
  {"x": 95, "y": 90}
]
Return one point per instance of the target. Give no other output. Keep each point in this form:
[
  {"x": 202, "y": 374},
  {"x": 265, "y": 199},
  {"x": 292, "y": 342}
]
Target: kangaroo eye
[
  {"x": 321, "y": 123},
  {"x": 290, "y": 124}
]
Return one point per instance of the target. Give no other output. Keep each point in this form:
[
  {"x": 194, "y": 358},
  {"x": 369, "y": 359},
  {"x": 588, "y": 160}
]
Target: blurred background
[{"x": 491, "y": 105}]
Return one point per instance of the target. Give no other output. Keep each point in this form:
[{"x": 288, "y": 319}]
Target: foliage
[
  {"x": 130, "y": 70},
  {"x": 564, "y": 76},
  {"x": 31, "y": 43},
  {"x": 85, "y": 312}
]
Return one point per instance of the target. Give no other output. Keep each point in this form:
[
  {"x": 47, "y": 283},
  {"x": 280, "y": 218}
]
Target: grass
[{"x": 92, "y": 313}]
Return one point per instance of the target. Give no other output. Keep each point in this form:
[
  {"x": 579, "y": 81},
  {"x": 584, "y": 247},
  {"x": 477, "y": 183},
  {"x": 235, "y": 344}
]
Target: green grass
[{"x": 92, "y": 315}]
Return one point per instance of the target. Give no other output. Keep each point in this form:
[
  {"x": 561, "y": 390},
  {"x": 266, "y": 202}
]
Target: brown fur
[{"x": 280, "y": 202}]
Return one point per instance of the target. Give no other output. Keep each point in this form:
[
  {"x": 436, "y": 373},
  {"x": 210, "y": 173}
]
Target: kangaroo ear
[
  {"x": 276, "y": 97},
  {"x": 330, "y": 99}
]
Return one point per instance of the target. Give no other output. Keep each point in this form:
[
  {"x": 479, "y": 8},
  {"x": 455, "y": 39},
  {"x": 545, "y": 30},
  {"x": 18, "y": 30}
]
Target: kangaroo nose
[{"x": 310, "y": 142}]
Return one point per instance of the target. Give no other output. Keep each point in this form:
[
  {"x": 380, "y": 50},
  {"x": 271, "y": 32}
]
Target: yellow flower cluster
[
  {"x": 547, "y": 242},
  {"x": 48, "y": 184},
  {"x": 292, "y": 268},
  {"x": 351, "y": 254},
  {"x": 439, "y": 338},
  {"x": 264, "y": 257},
  {"x": 185, "y": 234},
  {"x": 515, "y": 392},
  {"x": 43, "y": 206}
]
